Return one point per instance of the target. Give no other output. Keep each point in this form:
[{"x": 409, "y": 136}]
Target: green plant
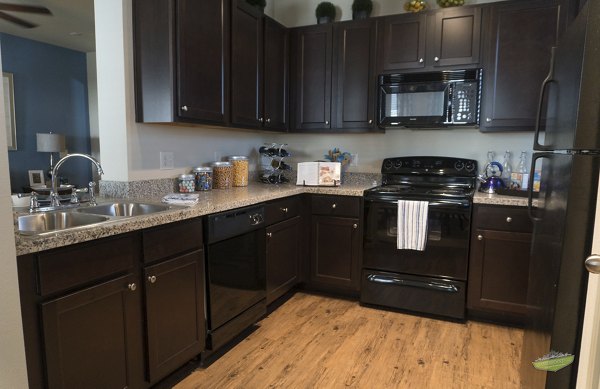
[
  {"x": 259, "y": 3},
  {"x": 362, "y": 5},
  {"x": 325, "y": 9}
]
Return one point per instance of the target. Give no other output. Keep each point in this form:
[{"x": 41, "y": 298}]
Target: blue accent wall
[{"x": 50, "y": 84}]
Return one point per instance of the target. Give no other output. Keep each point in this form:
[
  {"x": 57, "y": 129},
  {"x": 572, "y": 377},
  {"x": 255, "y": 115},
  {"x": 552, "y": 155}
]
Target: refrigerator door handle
[
  {"x": 530, "y": 211},
  {"x": 538, "y": 120}
]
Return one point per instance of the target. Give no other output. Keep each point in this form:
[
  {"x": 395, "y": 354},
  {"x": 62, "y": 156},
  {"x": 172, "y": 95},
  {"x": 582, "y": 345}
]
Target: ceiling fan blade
[
  {"x": 24, "y": 8},
  {"x": 15, "y": 20}
]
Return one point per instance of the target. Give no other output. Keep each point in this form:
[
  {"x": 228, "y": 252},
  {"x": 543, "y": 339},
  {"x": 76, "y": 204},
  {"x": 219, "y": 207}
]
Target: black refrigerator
[{"x": 567, "y": 146}]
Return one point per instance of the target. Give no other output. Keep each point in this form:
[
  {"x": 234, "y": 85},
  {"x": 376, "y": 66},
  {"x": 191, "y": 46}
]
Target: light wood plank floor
[{"x": 320, "y": 342}]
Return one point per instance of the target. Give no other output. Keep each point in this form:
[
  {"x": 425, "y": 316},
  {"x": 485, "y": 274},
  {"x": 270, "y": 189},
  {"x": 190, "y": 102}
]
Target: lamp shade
[{"x": 50, "y": 143}]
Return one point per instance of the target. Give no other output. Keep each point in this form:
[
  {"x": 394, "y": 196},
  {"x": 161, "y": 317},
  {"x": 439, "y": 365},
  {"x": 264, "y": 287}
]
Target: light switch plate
[{"x": 167, "y": 160}]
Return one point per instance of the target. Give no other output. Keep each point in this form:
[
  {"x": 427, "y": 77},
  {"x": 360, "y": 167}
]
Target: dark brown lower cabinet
[
  {"x": 174, "y": 292},
  {"x": 499, "y": 264},
  {"x": 90, "y": 336},
  {"x": 283, "y": 257},
  {"x": 335, "y": 259}
]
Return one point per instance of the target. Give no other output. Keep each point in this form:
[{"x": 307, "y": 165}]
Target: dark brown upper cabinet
[
  {"x": 182, "y": 61},
  {"x": 354, "y": 75},
  {"x": 334, "y": 77},
  {"x": 449, "y": 37},
  {"x": 311, "y": 62},
  {"x": 259, "y": 51},
  {"x": 516, "y": 59}
]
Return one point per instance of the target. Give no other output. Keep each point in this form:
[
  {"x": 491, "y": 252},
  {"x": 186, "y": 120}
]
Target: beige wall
[{"x": 13, "y": 371}]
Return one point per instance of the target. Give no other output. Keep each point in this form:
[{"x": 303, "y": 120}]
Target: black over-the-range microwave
[{"x": 434, "y": 99}]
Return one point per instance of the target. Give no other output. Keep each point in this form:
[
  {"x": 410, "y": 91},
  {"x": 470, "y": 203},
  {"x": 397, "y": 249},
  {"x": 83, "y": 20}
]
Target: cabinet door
[
  {"x": 276, "y": 75},
  {"x": 336, "y": 246},
  {"x": 91, "y": 337},
  {"x": 498, "y": 273},
  {"x": 283, "y": 257},
  {"x": 402, "y": 42},
  {"x": 456, "y": 37},
  {"x": 354, "y": 66},
  {"x": 246, "y": 65},
  {"x": 203, "y": 63},
  {"x": 312, "y": 86},
  {"x": 516, "y": 61},
  {"x": 174, "y": 313}
]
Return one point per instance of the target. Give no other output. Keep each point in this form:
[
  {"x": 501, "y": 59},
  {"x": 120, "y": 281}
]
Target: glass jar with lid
[
  {"x": 222, "y": 175},
  {"x": 185, "y": 183},
  {"x": 240, "y": 170},
  {"x": 203, "y": 177}
]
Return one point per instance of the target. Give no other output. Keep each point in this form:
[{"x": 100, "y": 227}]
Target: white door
[{"x": 588, "y": 376}]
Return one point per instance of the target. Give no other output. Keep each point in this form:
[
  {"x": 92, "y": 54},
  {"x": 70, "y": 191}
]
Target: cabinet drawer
[
  {"x": 172, "y": 239},
  {"x": 283, "y": 209},
  {"x": 82, "y": 263},
  {"x": 335, "y": 205},
  {"x": 503, "y": 218}
]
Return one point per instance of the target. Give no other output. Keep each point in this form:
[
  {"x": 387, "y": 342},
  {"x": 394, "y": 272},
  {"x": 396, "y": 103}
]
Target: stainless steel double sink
[{"x": 53, "y": 221}]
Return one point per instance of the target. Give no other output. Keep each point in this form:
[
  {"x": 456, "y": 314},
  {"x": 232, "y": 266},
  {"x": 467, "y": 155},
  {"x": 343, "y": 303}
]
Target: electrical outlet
[
  {"x": 167, "y": 160},
  {"x": 354, "y": 160}
]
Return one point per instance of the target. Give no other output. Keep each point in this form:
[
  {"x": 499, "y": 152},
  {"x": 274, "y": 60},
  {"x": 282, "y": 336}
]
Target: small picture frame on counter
[{"x": 36, "y": 178}]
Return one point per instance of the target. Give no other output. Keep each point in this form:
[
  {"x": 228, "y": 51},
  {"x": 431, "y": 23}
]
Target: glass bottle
[
  {"x": 506, "y": 169},
  {"x": 523, "y": 172}
]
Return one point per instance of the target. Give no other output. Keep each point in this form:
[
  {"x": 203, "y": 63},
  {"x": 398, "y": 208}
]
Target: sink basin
[
  {"x": 54, "y": 221},
  {"x": 124, "y": 209}
]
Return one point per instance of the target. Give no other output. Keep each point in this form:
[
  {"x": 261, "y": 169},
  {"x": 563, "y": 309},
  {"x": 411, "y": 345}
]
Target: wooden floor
[{"x": 320, "y": 342}]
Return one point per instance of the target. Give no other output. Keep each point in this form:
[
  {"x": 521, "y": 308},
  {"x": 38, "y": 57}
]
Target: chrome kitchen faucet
[{"x": 54, "y": 200}]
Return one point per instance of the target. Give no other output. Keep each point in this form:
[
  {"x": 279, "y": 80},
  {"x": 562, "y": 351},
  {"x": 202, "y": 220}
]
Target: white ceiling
[{"x": 68, "y": 17}]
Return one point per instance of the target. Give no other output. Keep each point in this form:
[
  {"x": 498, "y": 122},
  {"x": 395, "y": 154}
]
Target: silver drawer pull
[
  {"x": 269, "y": 234},
  {"x": 438, "y": 286},
  {"x": 355, "y": 226},
  {"x": 333, "y": 205},
  {"x": 152, "y": 279},
  {"x": 132, "y": 287},
  {"x": 479, "y": 237},
  {"x": 509, "y": 219},
  {"x": 284, "y": 210}
]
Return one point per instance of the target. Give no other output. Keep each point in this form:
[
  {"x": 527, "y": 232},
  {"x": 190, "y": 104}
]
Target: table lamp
[{"x": 50, "y": 143}]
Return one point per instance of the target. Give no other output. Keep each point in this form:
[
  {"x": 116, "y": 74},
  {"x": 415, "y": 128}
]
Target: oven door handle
[
  {"x": 431, "y": 285},
  {"x": 433, "y": 204}
]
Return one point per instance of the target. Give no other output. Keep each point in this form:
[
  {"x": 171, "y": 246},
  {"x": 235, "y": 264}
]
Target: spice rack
[{"x": 274, "y": 168}]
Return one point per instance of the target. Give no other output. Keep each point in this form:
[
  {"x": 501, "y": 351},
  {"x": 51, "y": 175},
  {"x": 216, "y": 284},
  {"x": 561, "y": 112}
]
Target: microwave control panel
[{"x": 464, "y": 102}]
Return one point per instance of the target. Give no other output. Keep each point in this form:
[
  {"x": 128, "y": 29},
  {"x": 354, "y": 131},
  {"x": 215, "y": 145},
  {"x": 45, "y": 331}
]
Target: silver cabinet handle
[
  {"x": 488, "y": 120},
  {"x": 421, "y": 60},
  {"x": 370, "y": 121},
  {"x": 284, "y": 210},
  {"x": 479, "y": 237},
  {"x": 355, "y": 226},
  {"x": 132, "y": 287},
  {"x": 592, "y": 263},
  {"x": 152, "y": 279},
  {"x": 261, "y": 120},
  {"x": 333, "y": 205},
  {"x": 436, "y": 59},
  {"x": 268, "y": 120},
  {"x": 509, "y": 219},
  {"x": 326, "y": 122},
  {"x": 184, "y": 108},
  {"x": 269, "y": 234}
]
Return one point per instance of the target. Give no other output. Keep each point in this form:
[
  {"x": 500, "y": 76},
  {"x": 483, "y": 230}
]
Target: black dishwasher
[{"x": 236, "y": 282}]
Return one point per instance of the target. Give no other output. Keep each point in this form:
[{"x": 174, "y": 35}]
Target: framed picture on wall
[
  {"x": 9, "y": 109},
  {"x": 36, "y": 178}
]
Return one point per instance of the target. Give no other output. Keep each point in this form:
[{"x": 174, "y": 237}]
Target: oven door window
[{"x": 446, "y": 249}]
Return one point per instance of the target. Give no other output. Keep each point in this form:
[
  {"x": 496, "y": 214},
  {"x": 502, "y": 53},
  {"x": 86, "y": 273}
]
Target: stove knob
[
  {"x": 388, "y": 164},
  {"x": 398, "y": 164},
  {"x": 459, "y": 165},
  {"x": 469, "y": 166}
]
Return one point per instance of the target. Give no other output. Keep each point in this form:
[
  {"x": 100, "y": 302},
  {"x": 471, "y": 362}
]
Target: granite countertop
[{"x": 210, "y": 202}]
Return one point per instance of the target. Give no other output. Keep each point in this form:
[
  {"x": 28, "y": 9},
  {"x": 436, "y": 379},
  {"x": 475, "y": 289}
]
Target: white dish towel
[
  {"x": 188, "y": 199},
  {"x": 412, "y": 225}
]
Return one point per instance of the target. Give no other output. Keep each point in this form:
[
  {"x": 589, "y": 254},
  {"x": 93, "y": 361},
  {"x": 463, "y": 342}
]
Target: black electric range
[{"x": 432, "y": 281}]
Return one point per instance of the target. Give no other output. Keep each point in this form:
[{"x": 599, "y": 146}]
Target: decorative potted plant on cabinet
[
  {"x": 260, "y": 4},
  {"x": 325, "y": 12},
  {"x": 361, "y": 9}
]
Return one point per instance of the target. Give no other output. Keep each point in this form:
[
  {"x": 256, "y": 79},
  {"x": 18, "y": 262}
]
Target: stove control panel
[{"x": 430, "y": 165}]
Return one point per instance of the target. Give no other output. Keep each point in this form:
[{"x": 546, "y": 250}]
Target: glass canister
[
  {"x": 186, "y": 183},
  {"x": 240, "y": 170},
  {"x": 222, "y": 175},
  {"x": 203, "y": 177}
]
